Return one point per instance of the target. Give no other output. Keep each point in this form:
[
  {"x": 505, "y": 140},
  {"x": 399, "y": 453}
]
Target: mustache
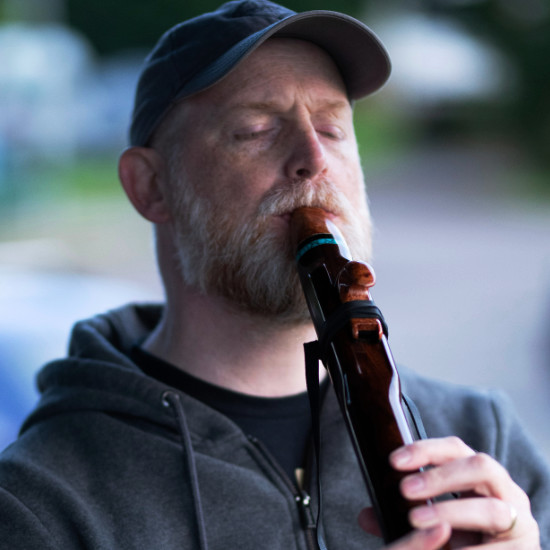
[{"x": 285, "y": 199}]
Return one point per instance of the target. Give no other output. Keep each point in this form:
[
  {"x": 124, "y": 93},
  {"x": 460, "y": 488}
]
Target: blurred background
[{"x": 456, "y": 152}]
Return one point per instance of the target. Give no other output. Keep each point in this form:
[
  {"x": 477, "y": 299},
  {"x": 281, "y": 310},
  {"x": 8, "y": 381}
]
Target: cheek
[
  {"x": 347, "y": 172},
  {"x": 226, "y": 179}
]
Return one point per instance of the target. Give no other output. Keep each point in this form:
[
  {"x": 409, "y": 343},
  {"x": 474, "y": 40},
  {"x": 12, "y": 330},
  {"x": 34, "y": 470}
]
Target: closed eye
[
  {"x": 331, "y": 132},
  {"x": 252, "y": 134}
]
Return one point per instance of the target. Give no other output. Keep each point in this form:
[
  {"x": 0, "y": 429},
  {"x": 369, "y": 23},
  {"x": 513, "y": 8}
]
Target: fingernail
[
  {"x": 401, "y": 457},
  {"x": 424, "y": 516},
  {"x": 413, "y": 484}
]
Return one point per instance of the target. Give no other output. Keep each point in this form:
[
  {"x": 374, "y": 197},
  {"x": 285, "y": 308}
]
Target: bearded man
[{"x": 184, "y": 425}]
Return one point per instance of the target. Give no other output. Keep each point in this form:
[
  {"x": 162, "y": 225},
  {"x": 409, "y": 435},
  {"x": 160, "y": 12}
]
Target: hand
[{"x": 492, "y": 510}]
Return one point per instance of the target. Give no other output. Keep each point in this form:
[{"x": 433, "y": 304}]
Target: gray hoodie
[{"x": 113, "y": 459}]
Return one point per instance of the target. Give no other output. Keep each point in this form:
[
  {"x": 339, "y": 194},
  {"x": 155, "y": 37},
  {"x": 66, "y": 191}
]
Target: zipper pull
[{"x": 304, "y": 506}]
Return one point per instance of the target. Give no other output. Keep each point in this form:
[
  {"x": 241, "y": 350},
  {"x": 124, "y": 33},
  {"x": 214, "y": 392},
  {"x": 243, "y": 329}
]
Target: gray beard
[{"x": 247, "y": 262}]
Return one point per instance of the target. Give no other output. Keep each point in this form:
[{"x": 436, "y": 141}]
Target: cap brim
[{"x": 362, "y": 59}]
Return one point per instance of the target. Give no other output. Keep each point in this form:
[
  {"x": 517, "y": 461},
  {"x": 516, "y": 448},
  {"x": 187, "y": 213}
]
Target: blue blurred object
[{"x": 37, "y": 311}]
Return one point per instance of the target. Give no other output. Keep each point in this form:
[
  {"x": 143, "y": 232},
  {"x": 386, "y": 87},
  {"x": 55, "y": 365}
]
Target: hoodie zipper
[{"x": 301, "y": 496}]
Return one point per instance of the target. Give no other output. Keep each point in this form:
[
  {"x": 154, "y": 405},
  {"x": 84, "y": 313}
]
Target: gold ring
[{"x": 513, "y": 520}]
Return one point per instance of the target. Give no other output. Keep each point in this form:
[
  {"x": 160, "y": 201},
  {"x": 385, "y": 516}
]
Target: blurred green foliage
[
  {"x": 113, "y": 26},
  {"x": 380, "y": 132},
  {"x": 521, "y": 31},
  {"x": 45, "y": 183},
  {"x": 86, "y": 177}
]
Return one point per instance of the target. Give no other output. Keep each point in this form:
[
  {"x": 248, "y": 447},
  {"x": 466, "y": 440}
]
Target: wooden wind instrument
[{"x": 355, "y": 352}]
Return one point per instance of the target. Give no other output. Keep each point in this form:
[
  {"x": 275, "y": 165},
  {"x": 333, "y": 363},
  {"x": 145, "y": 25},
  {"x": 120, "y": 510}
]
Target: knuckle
[
  {"x": 523, "y": 500},
  {"x": 482, "y": 462},
  {"x": 524, "y": 497},
  {"x": 457, "y": 444}
]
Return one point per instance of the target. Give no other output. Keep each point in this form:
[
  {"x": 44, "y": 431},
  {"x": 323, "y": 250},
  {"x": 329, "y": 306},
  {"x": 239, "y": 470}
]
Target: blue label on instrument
[{"x": 313, "y": 244}]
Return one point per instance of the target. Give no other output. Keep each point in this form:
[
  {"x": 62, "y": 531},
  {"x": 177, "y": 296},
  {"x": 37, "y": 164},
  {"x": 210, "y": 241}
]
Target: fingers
[
  {"x": 460, "y": 469},
  {"x": 497, "y": 520},
  {"x": 512, "y": 524},
  {"x": 429, "y": 451},
  {"x": 475, "y": 514},
  {"x": 478, "y": 473},
  {"x": 432, "y": 538},
  {"x": 491, "y": 502}
]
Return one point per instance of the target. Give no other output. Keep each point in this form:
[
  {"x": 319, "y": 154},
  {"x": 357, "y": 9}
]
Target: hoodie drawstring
[{"x": 173, "y": 400}]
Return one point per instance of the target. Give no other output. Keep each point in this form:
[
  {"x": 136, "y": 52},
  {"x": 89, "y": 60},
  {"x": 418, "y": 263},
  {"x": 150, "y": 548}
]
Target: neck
[{"x": 205, "y": 337}]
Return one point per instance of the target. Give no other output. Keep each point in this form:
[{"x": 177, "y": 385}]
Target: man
[{"x": 182, "y": 425}]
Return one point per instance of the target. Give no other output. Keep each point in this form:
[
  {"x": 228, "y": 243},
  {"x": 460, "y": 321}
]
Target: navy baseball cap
[{"x": 199, "y": 52}]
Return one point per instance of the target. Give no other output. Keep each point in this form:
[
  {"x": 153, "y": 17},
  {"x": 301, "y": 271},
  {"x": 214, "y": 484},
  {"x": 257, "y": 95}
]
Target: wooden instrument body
[{"x": 359, "y": 362}]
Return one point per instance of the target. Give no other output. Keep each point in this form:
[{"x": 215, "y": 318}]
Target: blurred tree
[
  {"x": 114, "y": 26},
  {"x": 38, "y": 11},
  {"x": 521, "y": 30}
]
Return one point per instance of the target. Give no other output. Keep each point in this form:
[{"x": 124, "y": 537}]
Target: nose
[{"x": 307, "y": 157}]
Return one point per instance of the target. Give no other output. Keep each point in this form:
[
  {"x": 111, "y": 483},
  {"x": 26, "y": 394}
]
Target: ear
[{"x": 142, "y": 171}]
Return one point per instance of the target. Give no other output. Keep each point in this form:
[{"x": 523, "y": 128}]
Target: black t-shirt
[{"x": 282, "y": 424}]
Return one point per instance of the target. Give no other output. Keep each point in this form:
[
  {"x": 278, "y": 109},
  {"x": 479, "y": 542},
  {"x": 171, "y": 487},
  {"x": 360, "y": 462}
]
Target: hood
[{"x": 99, "y": 375}]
